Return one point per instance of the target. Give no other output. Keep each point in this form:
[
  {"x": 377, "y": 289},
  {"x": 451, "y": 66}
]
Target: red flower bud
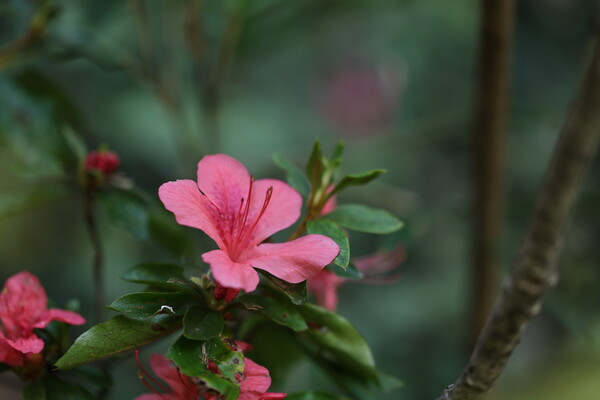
[{"x": 103, "y": 161}]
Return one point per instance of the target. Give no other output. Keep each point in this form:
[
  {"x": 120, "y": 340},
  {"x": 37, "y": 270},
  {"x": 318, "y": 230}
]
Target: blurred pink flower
[
  {"x": 359, "y": 98},
  {"x": 239, "y": 213},
  {"x": 23, "y": 308},
  {"x": 105, "y": 161},
  {"x": 375, "y": 267}
]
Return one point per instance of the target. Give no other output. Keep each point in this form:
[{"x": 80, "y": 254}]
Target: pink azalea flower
[
  {"x": 23, "y": 308},
  {"x": 254, "y": 383},
  {"x": 239, "y": 213}
]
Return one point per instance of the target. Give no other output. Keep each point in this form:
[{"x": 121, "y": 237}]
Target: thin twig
[
  {"x": 98, "y": 257},
  {"x": 489, "y": 147},
  {"x": 535, "y": 270}
]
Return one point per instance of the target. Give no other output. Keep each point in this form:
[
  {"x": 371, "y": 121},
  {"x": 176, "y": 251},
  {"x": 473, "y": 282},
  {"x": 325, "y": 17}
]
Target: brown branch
[
  {"x": 489, "y": 147},
  {"x": 535, "y": 270}
]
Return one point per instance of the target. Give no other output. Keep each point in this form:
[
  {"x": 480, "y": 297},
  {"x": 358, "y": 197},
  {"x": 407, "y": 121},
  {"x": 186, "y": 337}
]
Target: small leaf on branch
[
  {"x": 278, "y": 310},
  {"x": 294, "y": 175},
  {"x": 147, "y": 304},
  {"x": 364, "y": 219},
  {"x": 338, "y": 152},
  {"x": 333, "y": 231},
  {"x": 201, "y": 323},
  {"x": 126, "y": 210},
  {"x": 351, "y": 272},
  {"x": 115, "y": 336},
  {"x": 339, "y": 341},
  {"x": 315, "y": 166},
  {"x": 296, "y": 292},
  {"x": 358, "y": 179}
]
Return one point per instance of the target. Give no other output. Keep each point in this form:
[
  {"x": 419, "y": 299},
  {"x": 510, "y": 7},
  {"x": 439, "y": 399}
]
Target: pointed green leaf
[
  {"x": 201, "y": 323},
  {"x": 154, "y": 274},
  {"x": 338, "y": 152},
  {"x": 315, "y": 166},
  {"x": 361, "y": 178},
  {"x": 351, "y": 272},
  {"x": 333, "y": 231},
  {"x": 190, "y": 356},
  {"x": 281, "y": 311},
  {"x": 147, "y": 304},
  {"x": 339, "y": 341},
  {"x": 296, "y": 292},
  {"x": 126, "y": 210},
  {"x": 115, "y": 336},
  {"x": 364, "y": 219},
  {"x": 294, "y": 175},
  {"x": 228, "y": 357}
]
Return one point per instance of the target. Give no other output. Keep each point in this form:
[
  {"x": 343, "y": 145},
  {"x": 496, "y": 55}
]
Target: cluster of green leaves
[{"x": 319, "y": 185}]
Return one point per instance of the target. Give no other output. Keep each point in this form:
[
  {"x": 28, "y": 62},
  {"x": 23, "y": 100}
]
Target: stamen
[
  {"x": 264, "y": 207},
  {"x": 143, "y": 373},
  {"x": 183, "y": 381},
  {"x": 221, "y": 214},
  {"x": 246, "y": 210}
]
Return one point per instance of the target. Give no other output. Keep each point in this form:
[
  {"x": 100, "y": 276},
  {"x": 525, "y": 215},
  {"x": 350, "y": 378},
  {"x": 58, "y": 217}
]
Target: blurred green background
[{"x": 164, "y": 82}]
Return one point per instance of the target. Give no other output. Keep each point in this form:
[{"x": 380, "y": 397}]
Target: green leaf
[
  {"x": 294, "y": 175},
  {"x": 115, "y": 336},
  {"x": 191, "y": 355},
  {"x": 351, "y": 272},
  {"x": 339, "y": 341},
  {"x": 296, "y": 292},
  {"x": 314, "y": 396},
  {"x": 315, "y": 166},
  {"x": 126, "y": 210},
  {"x": 361, "y": 178},
  {"x": 34, "y": 391},
  {"x": 364, "y": 219},
  {"x": 338, "y": 152},
  {"x": 147, "y": 304},
  {"x": 58, "y": 389},
  {"x": 228, "y": 357},
  {"x": 154, "y": 274},
  {"x": 333, "y": 231},
  {"x": 75, "y": 143},
  {"x": 201, "y": 323},
  {"x": 281, "y": 311},
  {"x": 389, "y": 382}
]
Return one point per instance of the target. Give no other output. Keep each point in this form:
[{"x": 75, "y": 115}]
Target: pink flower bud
[{"x": 104, "y": 161}]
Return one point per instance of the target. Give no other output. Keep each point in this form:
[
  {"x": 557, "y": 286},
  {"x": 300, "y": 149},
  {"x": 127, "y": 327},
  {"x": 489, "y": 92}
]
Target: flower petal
[
  {"x": 22, "y": 302},
  {"x": 10, "y": 356},
  {"x": 167, "y": 372},
  {"x": 191, "y": 208},
  {"x": 324, "y": 285},
  {"x": 55, "y": 314},
  {"x": 231, "y": 274},
  {"x": 297, "y": 260},
  {"x": 256, "y": 381},
  {"x": 224, "y": 180},
  {"x": 282, "y": 210},
  {"x": 31, "y": 344}
]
